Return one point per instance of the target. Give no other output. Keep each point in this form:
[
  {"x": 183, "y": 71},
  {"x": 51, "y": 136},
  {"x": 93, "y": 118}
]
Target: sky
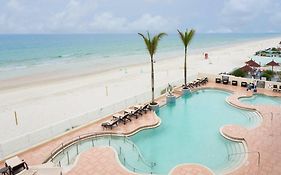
[{"x": 130, "y": 16}]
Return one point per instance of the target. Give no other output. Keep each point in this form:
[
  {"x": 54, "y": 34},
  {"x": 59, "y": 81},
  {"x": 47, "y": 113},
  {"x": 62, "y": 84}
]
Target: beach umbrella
[
  {"x": 252, "y": 63},
  {"x": 246, "y": 68},
  {"x": 272, "y": 64}
]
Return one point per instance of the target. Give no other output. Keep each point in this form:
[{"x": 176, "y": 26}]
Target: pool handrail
[{"x": 82, "y": 137}]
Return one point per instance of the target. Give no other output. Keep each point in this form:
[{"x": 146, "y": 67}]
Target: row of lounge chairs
[
  {"x": 233, "y": 82},
  {"x": 127, "y": 115},
  {"x": 225, "y": 80},
  {"x": 198, "y": 82}
]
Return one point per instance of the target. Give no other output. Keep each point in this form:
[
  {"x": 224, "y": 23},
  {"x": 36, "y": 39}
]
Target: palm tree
[
  {"x": 151, "y": 46},
  {"x": 186, "y": 38}
]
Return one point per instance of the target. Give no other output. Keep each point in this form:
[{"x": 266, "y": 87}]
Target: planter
[
  {"x": 170, "y": 99},
  {"x": 154, "y": 107},
  {"x": 185, "y": 91}
]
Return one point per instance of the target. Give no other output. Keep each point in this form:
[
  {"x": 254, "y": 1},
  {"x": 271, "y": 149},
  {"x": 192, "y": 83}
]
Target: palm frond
[
  {"x": 156, "y": 40},
  {"x": 186, "y": 37},
  {"x": 151, "y": 44},
  {"x": 182, "y": 36},
  {"x": 147, "y": 42},
  {"x": 190, "y": 36}
]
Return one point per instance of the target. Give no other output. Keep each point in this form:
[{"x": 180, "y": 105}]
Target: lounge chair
[
  {"x": 202, "y": 81},
  {"x": 111, "y": 123},
  {"x": 138, "y": 110},
  {"x": 205, "y": 80},
  {"x": 122, "y": 117},
  {"x": 132, "y": 112},
  {"x": 146, "y": 108},
  {"x": 234, "y": 83},
  {"x": 244, "y": 84},
  {"x": 143, "y": 108},
  {"x": 16, "y": 165},
  {"x": 190, "y": 85},
  {"x": 197, "y": 83},
  {"x": 225, "y": 79},
  {"x": 275, "y": 87},
  {"x": 218, "y": 80}
]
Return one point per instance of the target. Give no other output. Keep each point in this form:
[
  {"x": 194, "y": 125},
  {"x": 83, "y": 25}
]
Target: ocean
[{"x": 24, "y": 55}]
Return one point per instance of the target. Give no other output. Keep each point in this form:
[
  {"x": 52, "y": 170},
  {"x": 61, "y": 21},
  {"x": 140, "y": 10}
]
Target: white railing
[
  {"x": 212, "y": 78},
  {"x": 12, "y": 146}
]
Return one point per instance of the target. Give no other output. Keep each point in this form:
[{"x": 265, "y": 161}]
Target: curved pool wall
[
  {"x": 260, "y": 99},
  {"x": 189, "y": 133}
]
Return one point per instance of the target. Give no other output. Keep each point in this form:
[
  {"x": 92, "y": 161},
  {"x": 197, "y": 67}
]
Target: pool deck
[{"x": 264, "y": 140}]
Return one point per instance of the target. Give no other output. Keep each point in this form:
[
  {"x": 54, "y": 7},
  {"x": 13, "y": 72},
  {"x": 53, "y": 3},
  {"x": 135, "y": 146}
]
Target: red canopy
[
  {"x": 246, "y": 68},
  {"x": 252, "y": 63},
  {"x": 272, "y": 63}
]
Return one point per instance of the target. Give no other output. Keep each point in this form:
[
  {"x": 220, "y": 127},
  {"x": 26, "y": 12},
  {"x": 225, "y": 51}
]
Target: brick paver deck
[
  {"x": 191, "y": 169},
  {"x": 98, "y": 161},
  {"x": 264, "y": 140}
]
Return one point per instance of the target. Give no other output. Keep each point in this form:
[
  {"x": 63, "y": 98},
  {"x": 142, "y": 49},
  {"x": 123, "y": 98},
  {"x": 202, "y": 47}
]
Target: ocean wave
[{"x": 10, "y": 68}]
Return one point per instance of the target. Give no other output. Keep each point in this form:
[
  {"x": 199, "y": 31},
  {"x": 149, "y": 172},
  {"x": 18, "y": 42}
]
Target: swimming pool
[
  {"x": 261, "y": 100},
  {"x": 189, "y": 133}
]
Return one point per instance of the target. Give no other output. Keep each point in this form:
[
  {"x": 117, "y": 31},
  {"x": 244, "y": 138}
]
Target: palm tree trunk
[
  {"x": 152, "y": 80},
  {"x": 185, "y": 52}
]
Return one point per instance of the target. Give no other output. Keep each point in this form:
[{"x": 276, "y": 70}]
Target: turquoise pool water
[
  {"x": 189, "y": 133},
  {"x": 261, "y": 99}
]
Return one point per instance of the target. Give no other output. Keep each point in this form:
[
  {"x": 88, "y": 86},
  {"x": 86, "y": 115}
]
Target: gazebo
[
  {"x": 272, "y": 64},
  {"x": 246, "y": 68},
  {"x": 252, "y": 63}
]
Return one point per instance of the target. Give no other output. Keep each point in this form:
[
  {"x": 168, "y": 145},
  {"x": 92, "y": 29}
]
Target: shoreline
[{"x": 61, "y": 73}]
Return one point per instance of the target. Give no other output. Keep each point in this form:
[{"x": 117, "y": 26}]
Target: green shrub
[
  {"x": 238, "y": 73},
  {"x": 269, "y": 72},
  {"x": 267, "y": 76}
]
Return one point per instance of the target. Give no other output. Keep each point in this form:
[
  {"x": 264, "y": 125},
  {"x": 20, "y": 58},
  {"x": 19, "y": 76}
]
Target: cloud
[
  {"x": 73, "y": 17},
  {"x": 97, "y": 16},
  {"x": 247, "y": 14},
  {"x": 107, "y": 22}
]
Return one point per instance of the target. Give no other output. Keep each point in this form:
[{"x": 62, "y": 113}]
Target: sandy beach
[{"x": 48, "y": 99}]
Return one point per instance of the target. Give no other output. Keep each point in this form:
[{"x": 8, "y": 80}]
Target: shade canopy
[
  {"x": 252, "y": 63},
  {"x": 246, "y": 68},
  {"x": 272, "y": 63}
]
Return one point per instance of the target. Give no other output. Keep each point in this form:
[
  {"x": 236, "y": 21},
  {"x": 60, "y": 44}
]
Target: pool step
[
  {"x": 254, "y": 118},
  {"x": 235, "y": 157}
]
